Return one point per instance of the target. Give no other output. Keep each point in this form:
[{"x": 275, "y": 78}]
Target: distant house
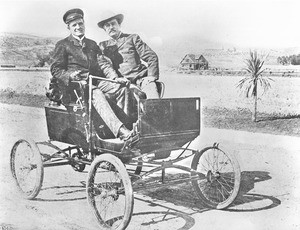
[{"x": 193, "y": 62}]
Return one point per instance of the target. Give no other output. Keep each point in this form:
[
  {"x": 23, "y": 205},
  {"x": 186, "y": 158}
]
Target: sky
[{"x": 244, "y": 23}]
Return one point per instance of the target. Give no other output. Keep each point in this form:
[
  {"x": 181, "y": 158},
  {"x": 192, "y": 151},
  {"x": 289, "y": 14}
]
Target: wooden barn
[{"x": 193, "y": 62}]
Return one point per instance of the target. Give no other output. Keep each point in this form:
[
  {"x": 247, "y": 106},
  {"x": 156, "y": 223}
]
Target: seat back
[
  {"x": 160, "y": 88},
  {"x": 165, "y": 123}
]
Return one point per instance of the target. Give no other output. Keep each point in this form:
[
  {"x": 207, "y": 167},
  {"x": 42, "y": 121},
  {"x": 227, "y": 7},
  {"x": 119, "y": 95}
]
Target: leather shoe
[{"x": 124, "y": 133}]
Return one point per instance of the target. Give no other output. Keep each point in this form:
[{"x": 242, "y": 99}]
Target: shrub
[{"x": 8, "y": 92}]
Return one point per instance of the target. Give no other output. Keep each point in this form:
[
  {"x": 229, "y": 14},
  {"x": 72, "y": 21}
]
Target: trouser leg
[
  {"x": 105, "y": 111},
  {"x": 135, "y": 95},
  {"x": 122, "y": 97},
  {"x": 148, "y": 86},
  {"x": 119, "y": 94},
  {"x": 136, "y": 92}
]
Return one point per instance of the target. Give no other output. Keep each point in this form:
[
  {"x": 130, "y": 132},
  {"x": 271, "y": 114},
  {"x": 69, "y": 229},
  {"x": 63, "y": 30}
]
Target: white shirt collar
[{"x": 78, "y": 38}]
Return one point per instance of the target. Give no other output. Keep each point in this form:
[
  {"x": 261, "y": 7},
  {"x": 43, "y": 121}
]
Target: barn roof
[{"x": 194, "y": 58}]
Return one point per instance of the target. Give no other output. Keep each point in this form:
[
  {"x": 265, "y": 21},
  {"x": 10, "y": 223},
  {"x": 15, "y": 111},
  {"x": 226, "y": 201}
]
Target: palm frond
[
  {"x": 248, "y": 89},
  {"x": 242, "y": 82},
  {"x": 260, "y": 72},
  {"x": 254, "y": 67}
]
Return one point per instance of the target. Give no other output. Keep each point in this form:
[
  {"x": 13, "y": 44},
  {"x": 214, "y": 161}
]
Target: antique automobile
[{"x": 164, "y": 130}]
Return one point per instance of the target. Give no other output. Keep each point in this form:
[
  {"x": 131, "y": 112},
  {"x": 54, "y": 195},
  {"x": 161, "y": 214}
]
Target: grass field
[{"x": 223, "y": 105}]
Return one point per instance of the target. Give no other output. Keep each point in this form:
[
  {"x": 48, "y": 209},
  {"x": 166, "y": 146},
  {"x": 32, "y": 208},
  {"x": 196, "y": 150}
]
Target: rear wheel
[
  {"x": 110, "y": 192},
  {"x": 27, "y": 168},
  {"x": 216, "y": 177}
]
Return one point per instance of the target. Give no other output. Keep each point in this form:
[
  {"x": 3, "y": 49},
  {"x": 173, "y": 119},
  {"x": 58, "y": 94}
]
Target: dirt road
[{"x": 270, "y": 197}]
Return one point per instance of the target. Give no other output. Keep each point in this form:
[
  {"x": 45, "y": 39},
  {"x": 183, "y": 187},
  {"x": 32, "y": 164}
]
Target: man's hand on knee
[{"x": 123, "y": 81}]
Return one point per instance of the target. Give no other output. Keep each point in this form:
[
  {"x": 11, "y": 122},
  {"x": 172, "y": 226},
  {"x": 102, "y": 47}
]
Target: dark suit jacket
[
  {"x": 70, "y": 56},
  {"x": 126, "y": 54}
]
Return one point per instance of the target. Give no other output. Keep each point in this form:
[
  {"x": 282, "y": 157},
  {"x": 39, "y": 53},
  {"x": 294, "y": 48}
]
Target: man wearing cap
[
  {"x": 76, "y": 57},
  {"x": 127, "y": 51}
]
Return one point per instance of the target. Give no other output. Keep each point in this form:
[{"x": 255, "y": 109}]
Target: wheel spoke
[
  {"x": 208, "y": 162},
  {"x": 215, "y": 161},
  {"x": 221, "y": 193},
  {"x": 223, "y": 187},
  {"x": 225, "y": 164},
  {"x": 205, "y": 167},
  {"x": 226, "y": 182}
]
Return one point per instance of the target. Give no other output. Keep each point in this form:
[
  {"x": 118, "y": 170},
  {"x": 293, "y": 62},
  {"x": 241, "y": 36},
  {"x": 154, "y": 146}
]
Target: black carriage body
[
  {"x": 168, "y": 123},
  {"x": 62, "y": 120},
  {"x": 162, "y": 124}
]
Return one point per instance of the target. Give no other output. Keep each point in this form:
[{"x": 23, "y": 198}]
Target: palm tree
[{"x": 254, "y": 66}]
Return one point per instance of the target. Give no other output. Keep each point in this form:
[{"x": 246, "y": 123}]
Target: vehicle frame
[{"x": 164, "y": 130}]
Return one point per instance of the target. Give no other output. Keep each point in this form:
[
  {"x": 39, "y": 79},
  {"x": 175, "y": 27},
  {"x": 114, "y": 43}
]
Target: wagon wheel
[
  {"x": 75, "y": 137},
  {"x": 216, "y": 178},
  {"x": 110, "y": 192},
  {"x": 27, "y": 168}
]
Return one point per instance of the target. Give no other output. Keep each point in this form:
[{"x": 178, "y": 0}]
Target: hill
[
  {"x": 25, "y": 50},
  {"x": 219, "y": 55}
]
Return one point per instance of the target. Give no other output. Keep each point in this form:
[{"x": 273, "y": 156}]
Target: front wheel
[
  {"x": 110, "y": 192},
  {"x": 216, "y": 177},
  {"x": 27, "y": 168}
]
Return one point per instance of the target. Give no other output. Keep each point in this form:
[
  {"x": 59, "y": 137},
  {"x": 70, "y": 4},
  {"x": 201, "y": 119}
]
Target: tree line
[{"x": 289, "y": 60}]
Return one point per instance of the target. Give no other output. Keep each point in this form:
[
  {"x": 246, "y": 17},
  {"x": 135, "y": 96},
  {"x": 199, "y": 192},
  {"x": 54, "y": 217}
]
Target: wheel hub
[
  {"x": 106, "y": 192},
  {"x": 109, "y": 193},
  {"x": 212, "y": 176}
]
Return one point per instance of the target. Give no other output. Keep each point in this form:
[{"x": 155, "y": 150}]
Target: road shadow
[
  {"x": 63, "y": 193},
  {"x": 161, "y": 220},
  {"x": 278, "y": 117},
  {"x": 168, "y": 218},
  {"x": 250, "y": 202},
  {"x": 154, "y": 219},
  {"x": 249, "y": 178},
  {"x": 184, "y": 195},
  {"x": 180, "y": 194}
]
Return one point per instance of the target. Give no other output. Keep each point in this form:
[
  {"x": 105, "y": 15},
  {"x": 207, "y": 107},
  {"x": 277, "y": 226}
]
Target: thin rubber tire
[{"x": 26, "y": 164}]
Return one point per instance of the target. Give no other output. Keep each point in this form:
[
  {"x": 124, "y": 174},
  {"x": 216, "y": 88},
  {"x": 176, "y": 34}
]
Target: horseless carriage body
[{"x": 116, "y": 167}]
